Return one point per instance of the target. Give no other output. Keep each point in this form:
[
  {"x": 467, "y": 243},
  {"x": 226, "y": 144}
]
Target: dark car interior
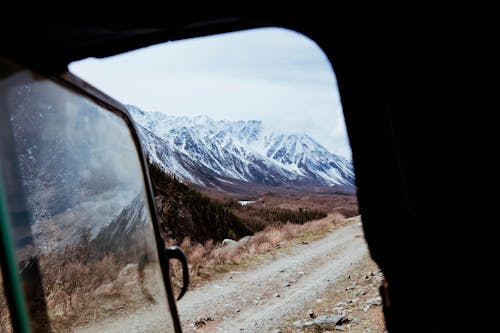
[{"x": 387, "y": 79}]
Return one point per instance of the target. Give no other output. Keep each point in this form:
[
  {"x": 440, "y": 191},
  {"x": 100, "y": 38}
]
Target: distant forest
[{"x": 183, "y": 211}]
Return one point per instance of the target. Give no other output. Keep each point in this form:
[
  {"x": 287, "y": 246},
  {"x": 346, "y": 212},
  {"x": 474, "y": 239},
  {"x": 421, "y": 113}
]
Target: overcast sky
[{"x": 274, "y": 75}]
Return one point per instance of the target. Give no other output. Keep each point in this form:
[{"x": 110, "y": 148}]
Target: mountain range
[{"x": 237, "y": 155}]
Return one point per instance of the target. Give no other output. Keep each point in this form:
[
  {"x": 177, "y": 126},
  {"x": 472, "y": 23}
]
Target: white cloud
[{"x": 274, "y": 75}]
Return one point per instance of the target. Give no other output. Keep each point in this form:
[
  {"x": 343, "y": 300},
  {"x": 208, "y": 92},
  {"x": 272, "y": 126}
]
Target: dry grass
[
  {"x": 5, "y": 324},
  {"x": 82, "y": 287},
  {"x": 102, "y": 294},
  {"x": 206, "y": 260}
]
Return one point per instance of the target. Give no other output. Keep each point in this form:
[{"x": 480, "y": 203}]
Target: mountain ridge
[{"x": 218, "y": 154}]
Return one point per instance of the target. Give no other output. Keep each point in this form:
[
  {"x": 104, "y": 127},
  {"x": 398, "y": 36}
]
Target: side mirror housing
[{"x": 77, "y": 209}]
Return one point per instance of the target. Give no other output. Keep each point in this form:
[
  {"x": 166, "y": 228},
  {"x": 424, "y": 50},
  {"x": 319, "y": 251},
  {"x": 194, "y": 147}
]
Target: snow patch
[{"x": 243, "y": 150}]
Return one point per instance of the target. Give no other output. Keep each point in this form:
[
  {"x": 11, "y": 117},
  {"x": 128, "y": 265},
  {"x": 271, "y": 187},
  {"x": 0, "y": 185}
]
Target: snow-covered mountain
[{"x": 214, "y": 153}]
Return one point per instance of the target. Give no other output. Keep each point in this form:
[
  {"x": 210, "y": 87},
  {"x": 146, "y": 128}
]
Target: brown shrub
[
  {"x": 5, "y": 323},
  {"x": 337, "y": 217},
  {"x": 259, "y": 238},
  {"x": 264, "y": 247},
  {"x": 187, "y": 245},
  {"x": 275, "y": 235},
  {"x": 293, "y": 230},
  {"x": 104, "y": 270},
  {"x": 319, "y": 226},
  {"x": 347, "y": 211},
  {"x": 197, "y": 258}
]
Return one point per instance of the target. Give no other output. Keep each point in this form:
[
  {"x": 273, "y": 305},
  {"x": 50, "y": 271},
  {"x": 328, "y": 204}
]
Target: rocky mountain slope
[{"x": 220, "y": 154}]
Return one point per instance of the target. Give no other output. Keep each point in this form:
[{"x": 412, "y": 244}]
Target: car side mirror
[
  {"x": 80, "y": 244},
  {"x": 175, "y": 252}
]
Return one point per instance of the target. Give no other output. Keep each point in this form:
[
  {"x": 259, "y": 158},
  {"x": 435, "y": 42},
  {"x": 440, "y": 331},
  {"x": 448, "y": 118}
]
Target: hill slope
[{"x": 184, "y": 211}]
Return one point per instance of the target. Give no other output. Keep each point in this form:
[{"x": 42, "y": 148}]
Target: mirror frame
[{"x": 82, "y": 88}]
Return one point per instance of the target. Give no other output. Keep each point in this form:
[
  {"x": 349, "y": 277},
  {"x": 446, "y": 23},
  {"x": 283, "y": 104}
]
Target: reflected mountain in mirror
[{"x": 91, "y": 229}]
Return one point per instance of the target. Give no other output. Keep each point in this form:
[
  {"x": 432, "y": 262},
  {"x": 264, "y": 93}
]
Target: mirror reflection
[{"x": 90, "y": 230}]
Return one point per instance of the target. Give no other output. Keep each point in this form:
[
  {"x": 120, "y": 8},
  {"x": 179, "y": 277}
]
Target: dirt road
[{"x": 257, "y": 299}]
